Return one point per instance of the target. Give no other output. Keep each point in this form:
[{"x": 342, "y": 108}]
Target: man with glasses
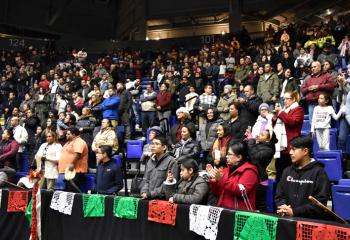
[
  {"x": 318, "y": 82},
  {"x": 157, "y": 169},
  {"x": 250, "y": 106}
]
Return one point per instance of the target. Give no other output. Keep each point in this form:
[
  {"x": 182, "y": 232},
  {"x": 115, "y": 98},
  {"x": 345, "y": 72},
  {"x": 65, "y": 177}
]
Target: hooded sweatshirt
[{"x": 296, "y": 185}]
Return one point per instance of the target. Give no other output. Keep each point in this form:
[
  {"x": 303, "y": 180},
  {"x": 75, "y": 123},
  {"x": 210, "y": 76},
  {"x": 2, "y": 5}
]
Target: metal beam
[{"x": 58, "y": 13}]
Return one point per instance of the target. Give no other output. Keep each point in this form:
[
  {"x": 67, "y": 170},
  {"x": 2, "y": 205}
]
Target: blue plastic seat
[
  {"x": 333, "y": 163},
  {"x": 345, "y": 182},
  {"x": 24, "y": 162},
  {"x": 147, "y": 136},
  {"x": 306, "y": 117},
  {"x": 332, "y": 142},
  {"x": 89, "y": 182},
  {"x": 117, "y": 160},
  {"x": 306, "y": 125},
  {"x": 134, "y": 149},
  {"x": 60, "y": 184},
  {"x": 270, "y": 198},
  {"x": 172, "y": 120},
  {"x": 341, "y": 199}
]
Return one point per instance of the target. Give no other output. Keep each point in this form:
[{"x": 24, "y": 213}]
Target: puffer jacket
[
  {"x": 87, "y": 123},
  {"x": 156, "y": 173},
  {"x": 207, "y": 140},
  {"x": 187, "y": 149},
  {"x": 194, "y": 191},
  {"x": 224, "y": 102},
  {"x": 228, "y": 191}
]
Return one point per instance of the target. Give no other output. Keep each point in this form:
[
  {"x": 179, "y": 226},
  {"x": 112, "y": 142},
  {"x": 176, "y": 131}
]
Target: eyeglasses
[
  {"x": 288, "y": 98},
  {"x": 156, "y": 143}
]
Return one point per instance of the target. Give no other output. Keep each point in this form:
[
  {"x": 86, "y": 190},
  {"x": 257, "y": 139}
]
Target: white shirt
[
  {"x": 21, "y": 136},
  {"x": 51, "y": 152},
  {"x": 322, "y": 117}
]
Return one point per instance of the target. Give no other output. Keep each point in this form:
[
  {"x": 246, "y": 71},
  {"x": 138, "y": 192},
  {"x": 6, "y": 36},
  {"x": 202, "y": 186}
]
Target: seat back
[
  {"x": 60, "y": 184},
  {"x": 332, "y": 143},
  {"x": 333, "y": 163},
  {"x": 117, "y": 160},
  {"x": 89, "y": 182},
  {"x": 341, "y": 199},
  {"x": 270, "y": 196},
  {"x": 306, "y": 125},
  {"x": 344, "y": 182},
  {"x": 134, "y": 149}
]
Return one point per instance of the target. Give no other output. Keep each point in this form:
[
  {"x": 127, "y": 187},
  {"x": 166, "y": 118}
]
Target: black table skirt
[{"x": 59, "y": 226}]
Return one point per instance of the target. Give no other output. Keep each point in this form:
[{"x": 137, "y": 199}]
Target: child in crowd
[
  {"x": 190, "y": 189},
  {"x": 321, "y": 120}
]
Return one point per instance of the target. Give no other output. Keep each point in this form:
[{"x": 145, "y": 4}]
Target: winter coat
[
  {"x": 261, "y": 155},
  {"x": 296, "y": 185},
  {"x": 207, "y": 138},
  {"x": 268, "y": 88},
  {"x": 187, "y": 149},
  {"x": 109, "y": 178},
  {"x": 8, "y": 151},
  {"x": 31, "y": 124},
  {"x": 250, "y": 111},
  {"x": 156, "y": 173},
  {"x": 164, "y": 101},
  {"x": 87, "y": 123},
  {"x": 194, "y": 191},
  {"x": 110, "y": 108},
  {"x": 124, "y": 107},
  {"x": 41, "y": 106},
  {"x": 224, "y": 103},
  {"x": 96, "y": 112},
  {"x": 293, "y": 122},
  {"x": 228, "y": 191},
  {"x": 325, "y": 83},
  {"x": 148, "y": 101},
  {"x": 236, "y": 129}
]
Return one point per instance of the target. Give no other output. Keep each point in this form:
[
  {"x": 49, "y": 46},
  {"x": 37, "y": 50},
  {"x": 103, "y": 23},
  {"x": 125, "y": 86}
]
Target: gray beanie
[{"x": 228, "y": 86}]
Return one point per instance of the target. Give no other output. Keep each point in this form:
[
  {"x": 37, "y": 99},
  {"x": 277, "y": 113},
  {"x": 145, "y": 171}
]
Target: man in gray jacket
[{"x": 157, "y": 169}]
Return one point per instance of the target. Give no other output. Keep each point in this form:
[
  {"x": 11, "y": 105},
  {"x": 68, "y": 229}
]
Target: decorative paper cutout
[
  {"x": 93, "y": 205},
  {"x": 162, "y": 212},
  {"x": 313, "y": 231},
  {"x": 28, "y": 212},
  {"x": 204, "y": 220},
  {"x": 264, "y": 227},
  {"x": 17, "y": 201},
  {"x": 62, "y": 202},
  {"x": 126, "y": 207}
]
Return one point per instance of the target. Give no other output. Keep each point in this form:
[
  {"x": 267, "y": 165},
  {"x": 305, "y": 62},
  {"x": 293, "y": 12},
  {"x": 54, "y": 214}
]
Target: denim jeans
[{"x": 135, "y": 110}]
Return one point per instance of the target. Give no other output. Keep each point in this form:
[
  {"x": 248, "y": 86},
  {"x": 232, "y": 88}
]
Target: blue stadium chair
[
  {"x": 24, "y": 162},
  {"x": 60, "y": 184},
  {"x": 348, "y": 145},
  {"x": 270, "y": 196},
  {"x": 172, "y": 120},
  {"x": 134, "y": 149},
  {"x": 89, "y": 182},
  {"x": 333, "y": 163},
  {"x": 341, "y": 199},
  {"x": 306, "y": 117},
  {"x": 306, "y": 125},
  {"x": 147, "y": 136},
  {"x": 117, "y": 159},
  {"x": 332, "y": 144},
  {"x": 345, "y": 182},
  {"x": 19, "y": 175}
]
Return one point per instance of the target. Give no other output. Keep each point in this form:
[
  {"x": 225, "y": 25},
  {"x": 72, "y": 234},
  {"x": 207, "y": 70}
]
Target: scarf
[{"x": 281, "y": 134}]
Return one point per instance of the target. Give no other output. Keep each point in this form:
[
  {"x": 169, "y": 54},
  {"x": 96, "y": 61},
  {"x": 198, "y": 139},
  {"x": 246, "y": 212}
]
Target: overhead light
[
  {"x": 157, "y": 38},
  {"x": 223, "y": 33},
  {"x": 328, "y": 12},
  {"x": 147, "y": 38}
]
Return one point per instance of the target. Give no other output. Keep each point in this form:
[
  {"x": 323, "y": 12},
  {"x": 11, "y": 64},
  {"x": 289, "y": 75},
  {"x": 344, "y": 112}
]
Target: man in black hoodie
[{"x": 306, "y": 177}]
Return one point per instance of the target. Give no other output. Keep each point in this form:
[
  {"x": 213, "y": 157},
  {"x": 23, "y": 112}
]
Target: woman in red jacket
[
  {"x": 292, "y": 115},
  {"x": 236, "y": 185},
  {"x": 163, "y": 104}
]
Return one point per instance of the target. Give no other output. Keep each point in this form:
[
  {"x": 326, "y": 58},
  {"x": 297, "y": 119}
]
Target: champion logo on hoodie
[{"x": 300, "y": 181}]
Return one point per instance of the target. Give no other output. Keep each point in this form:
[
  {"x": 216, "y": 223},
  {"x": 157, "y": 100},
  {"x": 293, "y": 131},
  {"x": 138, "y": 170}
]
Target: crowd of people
[{"x": 239, "y": 110}]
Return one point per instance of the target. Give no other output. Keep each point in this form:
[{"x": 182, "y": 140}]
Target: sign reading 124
[{"x": 15, "y": 42}]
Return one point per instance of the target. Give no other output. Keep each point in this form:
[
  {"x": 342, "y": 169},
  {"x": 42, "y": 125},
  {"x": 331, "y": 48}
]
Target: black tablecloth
[{"x": 59, "y": 226}]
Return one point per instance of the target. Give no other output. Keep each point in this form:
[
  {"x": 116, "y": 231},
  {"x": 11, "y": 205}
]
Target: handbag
[{"x": 136, "y": 184}]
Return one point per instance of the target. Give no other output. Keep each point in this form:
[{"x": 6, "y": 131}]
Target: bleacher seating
[
  {"x": 134, "y": 149},
  {"x": 332, "y": 142},
  {"x": 60, "y": 184},
  {"x": 89, "y": 182},
  {"x": 270, "y": 196},
  {"x": 341, "y": 198},
  {"x": 333, "y": 163}
]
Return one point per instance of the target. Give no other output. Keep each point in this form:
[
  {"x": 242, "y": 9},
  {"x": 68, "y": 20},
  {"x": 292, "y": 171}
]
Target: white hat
[{"x": 183, "y": 110}]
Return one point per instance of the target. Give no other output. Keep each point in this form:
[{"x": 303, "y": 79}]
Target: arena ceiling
[{"x": 114, "y": 19}]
